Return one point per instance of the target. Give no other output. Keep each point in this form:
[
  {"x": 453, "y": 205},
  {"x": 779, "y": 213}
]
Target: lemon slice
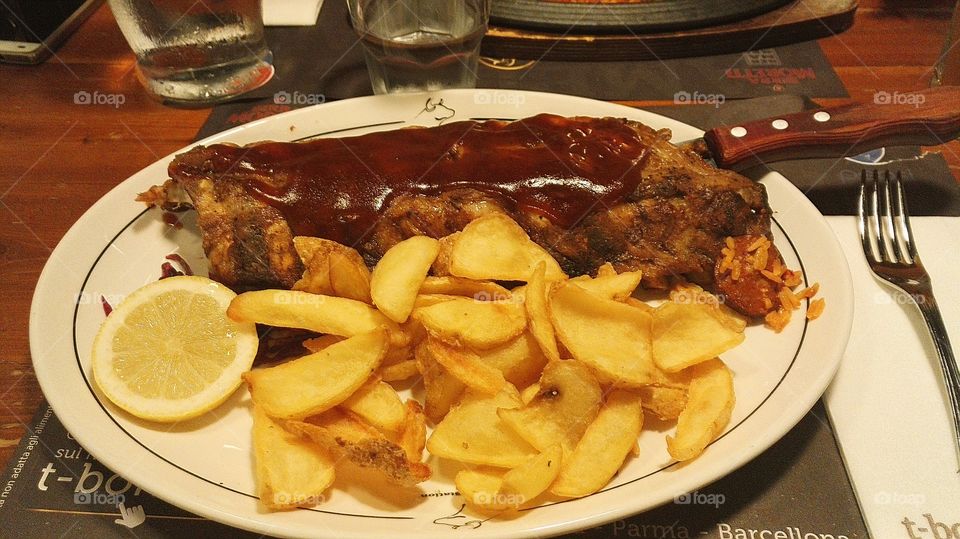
[{"x": 169, "y": 352}]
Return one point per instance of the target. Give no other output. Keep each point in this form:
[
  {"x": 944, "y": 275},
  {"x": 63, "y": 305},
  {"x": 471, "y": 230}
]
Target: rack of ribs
[{"x": 589, "y": 190}]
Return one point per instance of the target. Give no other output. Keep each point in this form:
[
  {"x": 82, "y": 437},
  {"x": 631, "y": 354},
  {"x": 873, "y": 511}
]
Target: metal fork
[{"x": 888, "y": 244}]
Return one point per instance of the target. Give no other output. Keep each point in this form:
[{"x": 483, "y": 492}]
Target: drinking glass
[
  {"x": 420, "y": 45},
  {"x": 946, "y": 71},
  {"x": 191, "y": 52}
]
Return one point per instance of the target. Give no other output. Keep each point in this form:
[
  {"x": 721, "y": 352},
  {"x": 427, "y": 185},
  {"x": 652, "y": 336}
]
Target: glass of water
[
  {"x": 420, "y": 45},
  {"x": 196, "y": 53}
]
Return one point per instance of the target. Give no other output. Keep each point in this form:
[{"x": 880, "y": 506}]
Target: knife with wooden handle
[{"x": 925, "y": 118}]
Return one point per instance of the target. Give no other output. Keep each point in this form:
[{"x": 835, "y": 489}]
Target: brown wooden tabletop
[{"x": 57, "y": 158}]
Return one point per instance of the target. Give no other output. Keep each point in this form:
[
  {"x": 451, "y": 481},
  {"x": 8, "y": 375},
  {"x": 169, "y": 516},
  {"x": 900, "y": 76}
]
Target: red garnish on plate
[
  {"x": 172, "y": 219},
  {"x": 167, "y": 270},
  {"x": 184, "y": 266}
]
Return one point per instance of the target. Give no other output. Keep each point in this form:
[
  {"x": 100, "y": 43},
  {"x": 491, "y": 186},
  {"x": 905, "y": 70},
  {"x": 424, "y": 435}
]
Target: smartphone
[{"x": 31, "y": 29}]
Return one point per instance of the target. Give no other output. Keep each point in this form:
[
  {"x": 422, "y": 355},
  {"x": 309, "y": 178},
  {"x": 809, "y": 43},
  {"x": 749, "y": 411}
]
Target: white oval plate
[{"x": 205, "y": 465}]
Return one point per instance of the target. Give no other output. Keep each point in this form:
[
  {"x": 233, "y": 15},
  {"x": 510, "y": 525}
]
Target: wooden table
[{"x": 57, "y": 157}]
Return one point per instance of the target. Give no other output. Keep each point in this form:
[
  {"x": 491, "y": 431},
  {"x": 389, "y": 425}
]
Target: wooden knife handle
[{"x": 924, "y": 118}]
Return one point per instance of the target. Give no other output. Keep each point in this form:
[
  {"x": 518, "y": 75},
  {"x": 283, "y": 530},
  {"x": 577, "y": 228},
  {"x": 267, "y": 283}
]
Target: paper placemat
[{"x": 887, "y": 402}]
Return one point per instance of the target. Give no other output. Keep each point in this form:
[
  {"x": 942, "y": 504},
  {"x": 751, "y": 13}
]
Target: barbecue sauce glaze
[{"x": 336, "y": 188}]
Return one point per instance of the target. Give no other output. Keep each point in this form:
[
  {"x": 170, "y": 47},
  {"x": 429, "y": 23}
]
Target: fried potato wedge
[
  {"x": 413, "y": 435},
  {"x": 480, "y": 487},
  {"x": 466, "y": 366},
  {"x": 397, "y": 354},
  {"x": 290, "y": 471},
  {"x": 426, "y": 300},
  {"x": 314, "y": 253},
  {"x": 378, "y": 404},
  {"x": 538, "y": 316},
  {"x": 687, "y": 334},
  {"x": 525, "y": 482},
  {"x": 309, "y": 247},
  {"x": 521, "y": 361},
  {"x": 613, "y": 338},
  {"x": 606, "y": 270},
  {"x": 495, "y": 247},
  {"x": 415, "y": 333},
  {"x": 519, "y": 294},
  {"x": 642, "y": 305},
  {"x": 316, "y": 344},
  {"x": 664, "y": 402},
  {"x": 441, "y": 389},
  {"x": 567, "y": 403},
  {"x": 459, "y": 286},
  {"x": 692, "y": 293},
  {"x": 710, "y": 402},
  {"x": 441, "y": 266},
  {"x": 317, "y": 382},
  {"x": 618, "y": 286},
  {"x": 493, "y": 491},
  {"x": 315, "y": 280},
  {"x": 477, "y": 324},
  {"x": 323, "y": 314},
  {"x": 604, "y": 446},
  {"x": 398, "y": 276},
  {"x": 343, "y": 433},
  {"x": 331, "y": 268},
  {"x": 399, "y": 371},
  {"x": 472, "y": 432},
  {"x": 349, "y": 275},
  {"x": 529, "y": 393}
]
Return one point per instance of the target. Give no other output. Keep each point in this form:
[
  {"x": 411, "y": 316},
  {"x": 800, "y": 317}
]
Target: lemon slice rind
[{"x": 117, "y": 390}]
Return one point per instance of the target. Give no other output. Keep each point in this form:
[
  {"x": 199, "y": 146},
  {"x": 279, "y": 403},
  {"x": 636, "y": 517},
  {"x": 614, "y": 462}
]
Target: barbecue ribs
[{"x": 589, "y": 190}]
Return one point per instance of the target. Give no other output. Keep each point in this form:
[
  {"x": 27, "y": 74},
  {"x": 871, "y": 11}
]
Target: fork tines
[{"x": 884, "y": 219}]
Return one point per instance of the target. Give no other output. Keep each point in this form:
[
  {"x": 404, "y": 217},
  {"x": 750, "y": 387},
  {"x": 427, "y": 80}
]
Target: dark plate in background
[{"x": 651, "y": 16}]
